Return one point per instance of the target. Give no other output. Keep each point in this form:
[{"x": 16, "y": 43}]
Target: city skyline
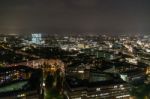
[{"x": 61, "y": 16}]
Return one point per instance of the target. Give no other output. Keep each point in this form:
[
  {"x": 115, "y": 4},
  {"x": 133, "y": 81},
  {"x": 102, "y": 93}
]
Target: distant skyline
[{"x": 65, "y": 16}]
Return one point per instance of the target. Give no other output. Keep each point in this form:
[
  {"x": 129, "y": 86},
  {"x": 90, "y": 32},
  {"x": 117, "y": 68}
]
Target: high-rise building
[{"x": 37, "y": 38}]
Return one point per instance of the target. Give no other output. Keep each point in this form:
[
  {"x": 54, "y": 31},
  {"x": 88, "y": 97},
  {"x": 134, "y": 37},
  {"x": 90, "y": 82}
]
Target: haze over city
[{"x": 65, "y": 16}]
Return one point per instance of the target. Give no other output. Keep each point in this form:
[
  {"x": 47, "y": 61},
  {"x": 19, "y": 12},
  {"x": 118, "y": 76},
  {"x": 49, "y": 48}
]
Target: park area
[{"x": 13, "y": 87}]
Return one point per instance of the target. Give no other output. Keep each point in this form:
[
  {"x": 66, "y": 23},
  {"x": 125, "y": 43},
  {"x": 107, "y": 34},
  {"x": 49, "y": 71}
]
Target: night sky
[{"x": 60, "y": 16}]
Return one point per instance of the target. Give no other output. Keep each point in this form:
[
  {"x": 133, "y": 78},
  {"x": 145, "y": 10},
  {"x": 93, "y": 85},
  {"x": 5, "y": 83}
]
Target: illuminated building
[
  {"x": 16, "y": 82},
  {"x": 14, "y": 73},
  {"x": 81, "y": 46},
  {"x": 97, "y": 86},
  {"x": 37, "y": 38}
]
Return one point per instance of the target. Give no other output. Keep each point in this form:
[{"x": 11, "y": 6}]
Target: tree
[
  {"x": 35, "y": 79},
  {"x": 140, "y": 91},
  {"x": 49, "y": 81},
  {"x": 59, "y": 80}
]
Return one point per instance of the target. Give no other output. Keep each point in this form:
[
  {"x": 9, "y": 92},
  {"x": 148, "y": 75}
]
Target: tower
[{"x": 36, "y": 38}]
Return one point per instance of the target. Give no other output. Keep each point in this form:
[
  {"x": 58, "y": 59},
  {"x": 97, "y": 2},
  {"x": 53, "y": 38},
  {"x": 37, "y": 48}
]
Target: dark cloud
[{"x": 74, "y": 15}]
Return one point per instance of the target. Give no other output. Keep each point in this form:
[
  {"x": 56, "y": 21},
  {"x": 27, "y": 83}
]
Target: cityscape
[
  {"x": 74, "y": 49},
  {"x": 37, "y": 66}
]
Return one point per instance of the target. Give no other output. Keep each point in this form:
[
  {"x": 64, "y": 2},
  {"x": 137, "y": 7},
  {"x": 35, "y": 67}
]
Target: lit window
[
  {"x": 98, "y": 89},
  {"x": 115, "y": 86},
  {"x": 121, "y": 85}
]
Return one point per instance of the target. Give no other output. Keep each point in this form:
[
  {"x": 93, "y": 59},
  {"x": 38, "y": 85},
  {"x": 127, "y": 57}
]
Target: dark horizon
[{"x": 81, "y": 16}]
